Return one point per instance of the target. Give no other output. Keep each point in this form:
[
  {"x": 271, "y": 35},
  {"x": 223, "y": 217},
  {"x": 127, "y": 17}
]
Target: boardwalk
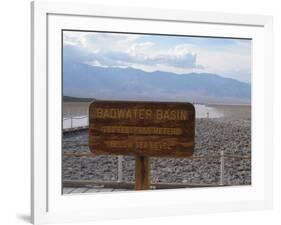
[{"x": 90, "y": 190}]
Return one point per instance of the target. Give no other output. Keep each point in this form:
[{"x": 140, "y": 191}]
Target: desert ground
[{"x": 227, "y": 128}]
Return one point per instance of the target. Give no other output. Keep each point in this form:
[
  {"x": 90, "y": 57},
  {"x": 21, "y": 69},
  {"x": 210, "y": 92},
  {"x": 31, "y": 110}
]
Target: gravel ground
[{"x": 211, "y": 137}]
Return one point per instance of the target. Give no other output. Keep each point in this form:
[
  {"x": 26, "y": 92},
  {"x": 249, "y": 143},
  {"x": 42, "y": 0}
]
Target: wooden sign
[{"x": 142, "y": 128}]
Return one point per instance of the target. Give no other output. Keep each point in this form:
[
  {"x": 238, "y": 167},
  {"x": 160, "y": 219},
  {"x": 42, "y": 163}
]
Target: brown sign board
[{"x": 142, "y": 128}]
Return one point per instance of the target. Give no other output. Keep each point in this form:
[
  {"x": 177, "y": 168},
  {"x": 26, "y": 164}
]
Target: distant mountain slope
[
  {"x": 81, "y": 80},
  {"x": 75, "y": 99}
]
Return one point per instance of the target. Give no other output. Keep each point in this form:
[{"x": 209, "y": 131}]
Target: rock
[{"x": 212, "y": 136}]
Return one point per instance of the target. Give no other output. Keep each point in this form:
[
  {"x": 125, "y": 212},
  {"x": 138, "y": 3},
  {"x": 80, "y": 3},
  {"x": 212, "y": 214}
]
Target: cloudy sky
[{"x": 178, "y": 54}]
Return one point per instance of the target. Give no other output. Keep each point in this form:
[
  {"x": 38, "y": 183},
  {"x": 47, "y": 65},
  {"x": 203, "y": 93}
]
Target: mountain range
[{"x": 86, "y": 81}]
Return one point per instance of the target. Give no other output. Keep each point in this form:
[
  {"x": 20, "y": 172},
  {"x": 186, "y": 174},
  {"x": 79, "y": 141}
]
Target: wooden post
[
  {"x": 222, "y": 168},
  {"x": 120, "y": 168},
  {"x": 142, "y": 173}
]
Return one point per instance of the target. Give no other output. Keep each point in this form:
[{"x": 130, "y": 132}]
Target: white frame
[{"x": 257, "y": 196}]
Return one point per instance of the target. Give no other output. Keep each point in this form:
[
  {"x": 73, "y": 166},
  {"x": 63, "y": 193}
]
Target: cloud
[
  {"x": 98, "y": 41},
  {"x": 229, "y": 58},
  {"x": 106, "y": 50}
]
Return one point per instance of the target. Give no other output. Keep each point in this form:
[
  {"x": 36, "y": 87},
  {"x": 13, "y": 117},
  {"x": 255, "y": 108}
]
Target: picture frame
[{"x": 48, "y": 205}]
